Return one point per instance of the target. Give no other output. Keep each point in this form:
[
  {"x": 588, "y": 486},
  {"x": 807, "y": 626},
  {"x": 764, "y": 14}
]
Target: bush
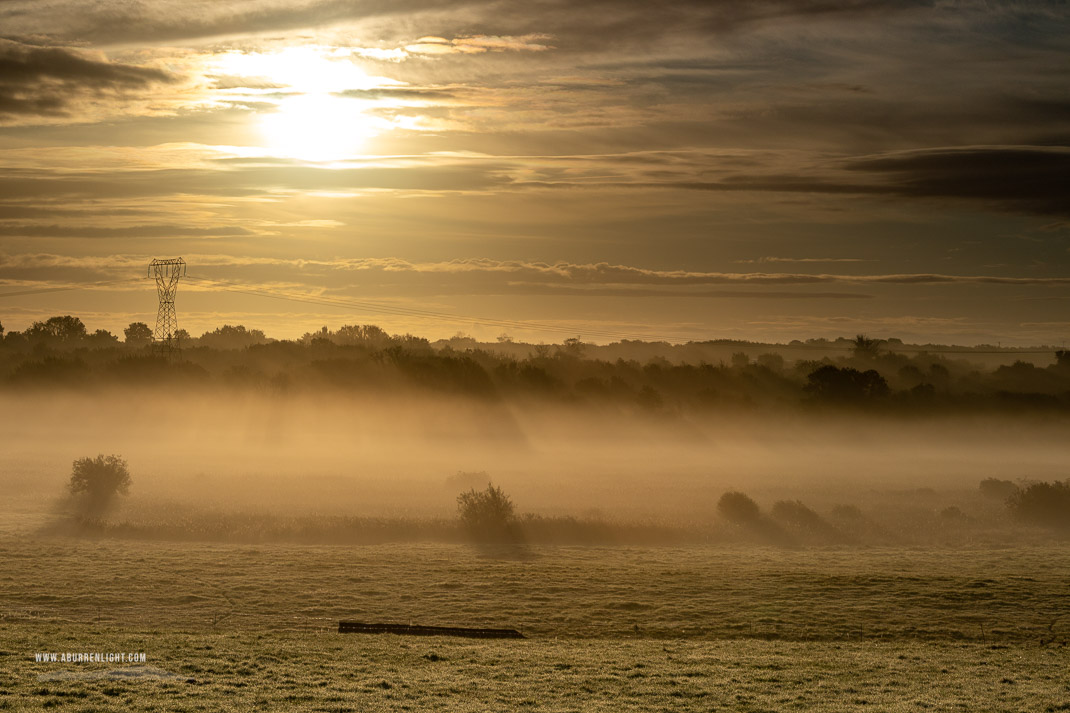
[
  {"x": 738, "y": 508},
  {"x": 1042, "y": 504},
  {"x": 796, "y": 513},
  {"x": 488, "y": 515},
  {"x": 98, "y": 481}
]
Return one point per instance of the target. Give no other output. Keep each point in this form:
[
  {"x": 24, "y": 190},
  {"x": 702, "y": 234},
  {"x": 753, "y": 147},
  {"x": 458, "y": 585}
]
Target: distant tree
[
  {"x": 138, "y": 334},
  {"x": 1062, "y": 356},
  {"x": 997, "y": 489},
  {"x": 939, "y": 372},
  {"x": 572, "y": 347},
  {"x": 183, "y": 336},
  {"x": 228, "y": 337},
  {"x": 737, "y": 507},
  {"x": 845, "y": 385},
  {"x": 368, "y": 335},
  {"x": 503, "y": 338},
  {"x": 98, "y": 481},
  {"x": 866, "y": 348},
  {"x": 488, "y": 515},
  {"x": 740, "y": 360},
  {"x": 51, "y": 370},
  {"x": 102, "y": 338},
  {"x": 771, "y": 361},
  {"x": 322, "y": 335},
  {"x": 64, "y": 330},
  {"x": 1, "y": 330}
]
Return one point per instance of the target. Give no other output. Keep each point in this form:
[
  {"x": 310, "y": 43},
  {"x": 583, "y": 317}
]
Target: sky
[{"x": 699, "y": 169}]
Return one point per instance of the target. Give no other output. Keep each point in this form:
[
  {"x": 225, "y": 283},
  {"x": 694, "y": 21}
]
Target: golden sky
[{"x": 701, "y": 169}]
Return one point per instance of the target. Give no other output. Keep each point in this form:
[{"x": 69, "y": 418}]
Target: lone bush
[
  {"x": 738, "y": 508},
  {"x": 488, "y": 515},
  {"x": 97, "y": 481}
]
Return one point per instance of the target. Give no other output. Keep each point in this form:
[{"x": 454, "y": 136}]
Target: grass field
[{"x": 237, "y": 627}]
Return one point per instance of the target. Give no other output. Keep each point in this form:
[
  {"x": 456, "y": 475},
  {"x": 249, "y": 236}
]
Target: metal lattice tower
[{"x": 167, "y": 273}]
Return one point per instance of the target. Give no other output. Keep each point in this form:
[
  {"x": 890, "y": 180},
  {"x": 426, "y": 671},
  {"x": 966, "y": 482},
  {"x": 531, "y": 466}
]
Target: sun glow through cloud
[
  {"x": 317, "y": 127},
  {"x": 310, "y": 121}
]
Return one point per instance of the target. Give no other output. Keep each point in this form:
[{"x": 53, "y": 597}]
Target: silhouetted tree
[
  {"x": 488, "y": 515},
  {"x": 368, "y": 335},
  {"x": 866, "y": 348},
  {"x": 138, "y": 334},
  {"x": 737, "y": 507},
  {"x": 845, "y": 385},
  {"x": 771, "y": 361},
  {"x": 1062, "y": 356},
  {"x": 63, "y": 330},
  {"x": 1042, "y": 504},
  {"x": 101, "y": 339},
  {"x": 572, "y": 347},
  {"x": 98, "y": 481},
  {"x": 228, "y": 337}
]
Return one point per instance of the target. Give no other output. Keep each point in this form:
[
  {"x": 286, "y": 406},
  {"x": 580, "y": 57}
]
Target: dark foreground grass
[
  {"x": 234, "y": 627},
  {"x": 321, "y": 671}
]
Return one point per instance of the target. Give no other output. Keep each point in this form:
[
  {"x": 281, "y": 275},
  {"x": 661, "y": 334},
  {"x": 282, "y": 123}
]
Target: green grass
[{"x": 235, "y": 627}]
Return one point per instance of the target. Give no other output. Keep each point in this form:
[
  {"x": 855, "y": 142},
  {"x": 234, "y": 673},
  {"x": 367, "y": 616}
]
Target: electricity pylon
[{"x": 167, "y": 273}]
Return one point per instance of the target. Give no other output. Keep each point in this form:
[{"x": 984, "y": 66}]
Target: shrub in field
[
  {"x": 488, "y": 515},
  {"x": 796, "y": 513},
  {"x": 738, "y": 508},
  {"x": 1042, "y": 504},
  {"x": 98, "y": 481}
]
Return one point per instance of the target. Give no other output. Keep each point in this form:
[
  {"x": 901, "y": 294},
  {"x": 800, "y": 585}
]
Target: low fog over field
[
  {"x": 411, "y": 456},
  {"x": 356, "y": 423}
]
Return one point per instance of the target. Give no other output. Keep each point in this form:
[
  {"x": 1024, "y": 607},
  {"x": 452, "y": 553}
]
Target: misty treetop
[{"x": 643, "y": 377}]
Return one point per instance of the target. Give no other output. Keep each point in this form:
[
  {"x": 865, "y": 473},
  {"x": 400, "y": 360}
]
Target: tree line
[{"x": 61, "y": 351}]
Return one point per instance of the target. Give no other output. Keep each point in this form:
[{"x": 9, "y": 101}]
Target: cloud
[
  {"x": 761, "y": 260},
  {"x": 49, "y": 80},
  {"x": 131, "y": 231},
  {"x": 1025, "y": 179},
  {"x": 479, "y": 44},
  {"x": 104, "y": 21},
  {"x": 581, "y": 277},
  {"x": 1029, "y": 178}
]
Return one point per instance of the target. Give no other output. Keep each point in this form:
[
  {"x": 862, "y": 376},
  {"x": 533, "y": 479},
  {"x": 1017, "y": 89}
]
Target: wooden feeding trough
[{"x": 357, "y": 627}]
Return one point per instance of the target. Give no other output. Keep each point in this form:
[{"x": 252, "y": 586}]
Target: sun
[
  {"x": 321, "y": 108},
  {"x": 317, "y": 127}
]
